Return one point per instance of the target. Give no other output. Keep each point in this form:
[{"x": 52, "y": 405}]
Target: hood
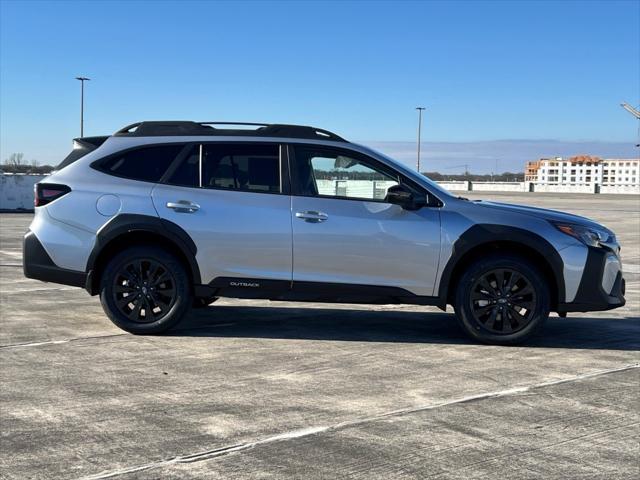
[{"x": 543, "y": 213}]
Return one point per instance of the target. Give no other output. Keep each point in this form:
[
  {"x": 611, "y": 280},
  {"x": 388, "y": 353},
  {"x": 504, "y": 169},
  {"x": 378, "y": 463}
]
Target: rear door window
[
  {"x": 187, "y": 173},
  {"x": 146, "y": 164},
  {"x": 246, "y": 167}
]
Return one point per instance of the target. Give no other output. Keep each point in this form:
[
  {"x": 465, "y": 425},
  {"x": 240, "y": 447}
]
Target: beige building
[{"x": 584, "y": 170}]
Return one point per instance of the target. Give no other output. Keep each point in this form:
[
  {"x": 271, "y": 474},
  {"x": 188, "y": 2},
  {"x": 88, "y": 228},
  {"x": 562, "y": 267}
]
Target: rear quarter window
[
  {"x": 81, "y": 147},
  {"x": 147, "y": 164}
]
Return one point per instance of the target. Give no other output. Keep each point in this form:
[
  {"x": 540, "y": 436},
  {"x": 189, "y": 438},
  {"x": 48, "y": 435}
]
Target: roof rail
[{"x": 188, "y": 128}]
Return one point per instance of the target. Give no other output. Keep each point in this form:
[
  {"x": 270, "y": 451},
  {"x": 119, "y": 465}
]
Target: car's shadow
[{"x": 360, "y": 325}]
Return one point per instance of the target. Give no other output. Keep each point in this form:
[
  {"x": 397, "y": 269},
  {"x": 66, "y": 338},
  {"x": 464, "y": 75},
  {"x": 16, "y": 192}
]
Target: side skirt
[{"x": 311, "y": 292}]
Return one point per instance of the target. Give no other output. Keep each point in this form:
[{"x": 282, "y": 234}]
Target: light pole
[
  {"x": 82, "y": 80},
  {"x": 420, "y": 109}
]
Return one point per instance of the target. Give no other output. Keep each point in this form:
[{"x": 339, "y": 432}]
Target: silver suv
[{"x": 163, "y": 216}]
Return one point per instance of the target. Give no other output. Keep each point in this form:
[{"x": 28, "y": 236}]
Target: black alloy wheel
[
  {"x": 503, "y": 301},
  {"x": 144, "y": 290}
]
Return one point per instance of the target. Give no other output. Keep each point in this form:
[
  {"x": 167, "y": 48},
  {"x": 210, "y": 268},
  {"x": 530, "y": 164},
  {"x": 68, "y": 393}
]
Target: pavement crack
[
  {"x": 207, "y": 454},
  {"x": 58, "y": 342},
  {"x": 94, "y": 337},
  {"x": 295, "y": 434}
]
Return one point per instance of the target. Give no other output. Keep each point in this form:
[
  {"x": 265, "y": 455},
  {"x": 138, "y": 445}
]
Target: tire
[
  {"x": 151, "y": 277},
  {"x": 490, "y": 314}
]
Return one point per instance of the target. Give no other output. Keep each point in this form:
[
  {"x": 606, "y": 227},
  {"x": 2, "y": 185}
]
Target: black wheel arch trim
[
  {"x": 131, "y": 223},
  {"x": 486, "y": 234}
]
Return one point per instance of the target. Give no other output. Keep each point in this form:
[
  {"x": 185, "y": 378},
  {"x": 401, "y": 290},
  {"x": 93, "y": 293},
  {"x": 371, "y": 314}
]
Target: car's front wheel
[
  {"x": 145, "y": 290},
  {"x": 502, "y": 299}
]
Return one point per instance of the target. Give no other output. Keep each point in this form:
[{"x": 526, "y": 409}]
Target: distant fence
[{"x": 16, "y": 190}]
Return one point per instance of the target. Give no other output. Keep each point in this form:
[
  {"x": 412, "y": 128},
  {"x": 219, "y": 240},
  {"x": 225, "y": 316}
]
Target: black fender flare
[
  {"x": 130, "y": 223},
  {"x": 485, "y": 234}
]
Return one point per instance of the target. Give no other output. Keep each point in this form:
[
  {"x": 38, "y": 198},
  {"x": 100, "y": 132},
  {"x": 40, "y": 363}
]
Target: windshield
[{"x": 430, "y": 184}]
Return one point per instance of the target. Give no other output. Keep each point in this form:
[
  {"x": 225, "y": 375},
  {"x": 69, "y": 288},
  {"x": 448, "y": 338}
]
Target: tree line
[
  {"x": 474, "y": 177},
  {"x": 17, "y": 164},
  {"x": 437, "y": 176}
]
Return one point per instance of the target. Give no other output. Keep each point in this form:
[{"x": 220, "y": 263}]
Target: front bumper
[
  {"x": 37, "y": 264},
  {"x": 602, "y": 286}
]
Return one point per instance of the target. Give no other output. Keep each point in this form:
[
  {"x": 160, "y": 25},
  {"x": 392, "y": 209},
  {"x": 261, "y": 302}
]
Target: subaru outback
[{"x": 165, "y": 216}]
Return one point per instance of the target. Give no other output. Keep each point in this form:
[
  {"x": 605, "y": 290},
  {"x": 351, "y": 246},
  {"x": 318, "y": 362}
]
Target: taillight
[{"x": 47, "y": 192}]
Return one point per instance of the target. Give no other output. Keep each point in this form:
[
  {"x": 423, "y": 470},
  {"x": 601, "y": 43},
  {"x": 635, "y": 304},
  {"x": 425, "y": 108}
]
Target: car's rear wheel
[
  {"x": 145, "y": 290},
  {"x": 502, "y": 300}
]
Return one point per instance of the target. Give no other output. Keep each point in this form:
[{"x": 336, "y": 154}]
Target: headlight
[{"x": 593, "y": 237}]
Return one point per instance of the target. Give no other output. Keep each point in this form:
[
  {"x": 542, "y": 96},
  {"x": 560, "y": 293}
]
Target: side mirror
[{"x": 407, "y": 199}]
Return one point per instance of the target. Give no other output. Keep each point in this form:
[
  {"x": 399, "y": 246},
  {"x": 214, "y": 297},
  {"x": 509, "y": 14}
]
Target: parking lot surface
[{"x": 258, "y": 389}]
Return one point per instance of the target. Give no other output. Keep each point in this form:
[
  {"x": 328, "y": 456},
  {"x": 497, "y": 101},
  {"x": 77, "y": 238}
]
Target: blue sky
[{"x": 544, "y": 73}]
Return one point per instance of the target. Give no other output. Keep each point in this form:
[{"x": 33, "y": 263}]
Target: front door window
[{"x": 329, "y": 173}]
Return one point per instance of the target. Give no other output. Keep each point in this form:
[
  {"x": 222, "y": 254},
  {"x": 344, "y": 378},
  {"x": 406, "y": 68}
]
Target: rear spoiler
[{"x": 81, "y": 146}]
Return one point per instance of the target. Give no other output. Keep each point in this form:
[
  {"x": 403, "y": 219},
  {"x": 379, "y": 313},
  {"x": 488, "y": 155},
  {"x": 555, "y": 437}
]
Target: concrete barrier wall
[
  {"x": 623, "y": 189},
  {"x": 354, "y": 188},
  {"x": 537, "y": 187},
  {"x": 499, "y": 186},
  {"x": 564, "y": 188},
  {"x": 455, "y": 186},
  {"x": 16, "y": 191}
]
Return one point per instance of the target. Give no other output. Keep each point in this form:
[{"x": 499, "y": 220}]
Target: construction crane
[
  {"x": 635, "y": 113},
  {"x": 631, "y": 110}
]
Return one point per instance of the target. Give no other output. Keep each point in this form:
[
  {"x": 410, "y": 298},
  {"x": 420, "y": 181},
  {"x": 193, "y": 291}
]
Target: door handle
[
  {"x": 183, "y": 206},
  {"x": 311, "y": 216}
]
